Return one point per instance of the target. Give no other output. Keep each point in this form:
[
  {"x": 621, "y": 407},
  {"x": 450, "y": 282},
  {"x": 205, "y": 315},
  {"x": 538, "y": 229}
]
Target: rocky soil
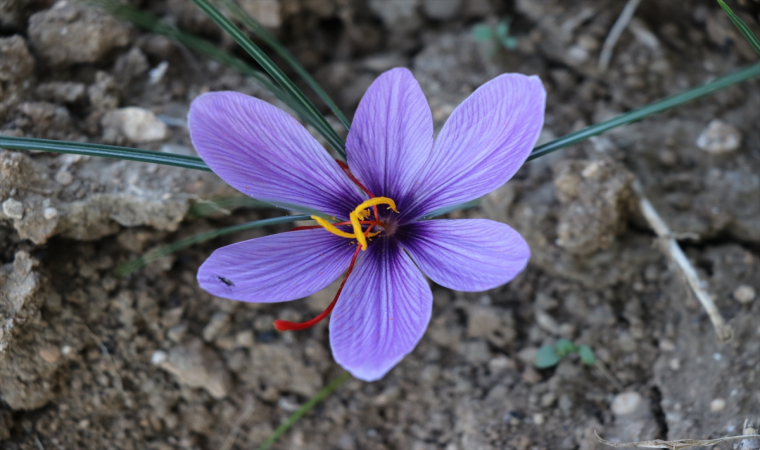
[{"x": 150, "y": 361}]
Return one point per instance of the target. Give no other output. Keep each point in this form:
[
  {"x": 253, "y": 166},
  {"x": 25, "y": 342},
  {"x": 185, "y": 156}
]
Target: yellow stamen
[
  {"x": 331, "y": 228},
  {"x": 360, "y": 210},
  {"x": 357, "y": 215}
]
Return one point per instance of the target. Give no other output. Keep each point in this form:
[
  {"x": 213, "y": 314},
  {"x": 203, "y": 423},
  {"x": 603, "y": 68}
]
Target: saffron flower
[{"x": 368, "y": 211}]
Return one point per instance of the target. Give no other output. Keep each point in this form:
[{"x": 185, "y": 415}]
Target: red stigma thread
[{"x": 284, "y": 325}]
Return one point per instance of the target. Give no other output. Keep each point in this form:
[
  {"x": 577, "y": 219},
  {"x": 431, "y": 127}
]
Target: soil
[{"x": 150, "y": 361}]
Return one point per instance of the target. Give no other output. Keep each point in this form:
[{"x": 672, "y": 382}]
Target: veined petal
[
  {"x": 382, "y": 313},
  {"x": 466, "y": 254},
  {"x": 263, "y": 152},
  {"x": 391, "y": 136},
  {"x": 276, "y": 268},
  {"x": 486, "y": 139}
]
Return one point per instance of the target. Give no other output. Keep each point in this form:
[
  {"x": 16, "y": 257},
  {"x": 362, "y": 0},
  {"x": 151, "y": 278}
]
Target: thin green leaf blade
[
  {"x": 154, "y": 255},
  {"x": 311, "y": 403},
  {"x": 645, "y": 111},
  {"x": 314, "y": 118},
  {"x": 262, "y": 33},
  {"x": 743, "y": 28},
  {"x": 202, "y": 46},
  {"x": 104, "y": 151}
]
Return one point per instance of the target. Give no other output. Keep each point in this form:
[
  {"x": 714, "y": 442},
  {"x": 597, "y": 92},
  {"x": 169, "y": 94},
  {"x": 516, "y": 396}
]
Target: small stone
[
  {"x": 667, "y": 345},
  {"x": 717, "y": 405},
  {"x": 481, "y": 322},
  {"x": 538, "y": 419},
  {"x": 50, "y": 353},
  {"x": 136, "y": 124},
  {"x": 531, "y": 376},
  {"x": 198, "y": 366},
  {"x": 744, "y": 294},
  {"x": 245, "y": 339},
  {"x": 719, "y": 137},
  {"x": 158, "y": 357},
  {"x": 13, "y": 209},
  {"x": 50, "y": 213},
  {"x": 70, "y": 33},
  {"x": 442, "y": 9},
  {"x": 674, "y": 364},
  {"x": 219, "y": 321},
  {"x": 64, "y": 177},
  {"x": 627, "y": 403}
]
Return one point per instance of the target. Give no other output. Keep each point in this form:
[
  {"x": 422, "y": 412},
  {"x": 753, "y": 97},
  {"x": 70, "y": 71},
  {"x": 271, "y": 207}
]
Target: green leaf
[
  {"x": 509, "y": 42},
  {"x": 202, "y": 46},
  {"x": 262, "y": 33},
  {"x": 311, "y": 403},
  {"x": 154, "y": 255},
  {"x": 314, "y": 118},
  {"x": 743, "y": 28},
  {"x": 645, "y": 111},
  {"x": 587, "y": 355},
  {"x": 105, "y": 151},
  {"x": 482, "y": 33},
  {"x": 546, "y": 356},
  {"x": 565, "y": 347}
]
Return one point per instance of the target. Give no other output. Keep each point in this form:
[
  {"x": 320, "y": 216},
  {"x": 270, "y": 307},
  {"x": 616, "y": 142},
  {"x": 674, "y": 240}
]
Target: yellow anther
[
  {"x": 374, "y": 201},
  {"x": 357, "y": 216},
  {"x": 361, "y": 210},
  {"x": 331, "y": 228}
]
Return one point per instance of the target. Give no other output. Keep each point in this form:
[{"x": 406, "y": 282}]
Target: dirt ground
[{"x": 90, "y": 360}]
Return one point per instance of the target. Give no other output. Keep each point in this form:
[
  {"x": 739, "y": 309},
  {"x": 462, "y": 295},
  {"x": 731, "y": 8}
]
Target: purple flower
[{"x": 385, "y": 304}]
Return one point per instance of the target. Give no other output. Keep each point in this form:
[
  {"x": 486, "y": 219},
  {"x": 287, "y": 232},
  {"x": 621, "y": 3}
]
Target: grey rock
[
  {"x": 442, "y": 9},
  {"x": 719, "y": 137},
  {"x": 197, "y": 366},
  {"x": 13, "y": 209},
  {"x": 16, "y": 63},
  {"x": 137, "y": 125},
  {"x": 70, "y": 33}
]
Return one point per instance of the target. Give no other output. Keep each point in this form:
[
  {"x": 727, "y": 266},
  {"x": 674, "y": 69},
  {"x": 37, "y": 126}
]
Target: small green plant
[
  {"x": 550, "y": 355},
  {"x": 498, "y": 34}
]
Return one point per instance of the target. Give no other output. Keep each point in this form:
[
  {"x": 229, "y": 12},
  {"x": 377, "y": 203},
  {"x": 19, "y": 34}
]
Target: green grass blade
[
  {"x": 262, "y": 33},
  {"x": 105, "y": 151},
  {"x": 753, "y": 40},
  {"x": 202, "y": 46},
  {"x": 204, "y": 208},
  {"x": 327, "y": 390},
  {"x": 154, "y": 255},
  {"x": 645, "y": 111},
  {"x": 314, "y": 118}
]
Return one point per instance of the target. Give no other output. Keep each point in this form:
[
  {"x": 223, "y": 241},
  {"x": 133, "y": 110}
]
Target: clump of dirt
[{"x": 89, "y": 360}]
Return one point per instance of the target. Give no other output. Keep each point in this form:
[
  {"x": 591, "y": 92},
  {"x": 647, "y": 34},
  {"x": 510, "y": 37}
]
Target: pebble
[
  {"x": 627, "y": 403},
  {"x": 717, "y": 405},
  {"x": 538, "y": 419},
  {"x": 198, "y": 366},
  {"x": 667, "y": 345},
  {"x": 64, "y": 177},
  {"x": 442, "y": 9},
  {"x": 136, "y": 124},
  {"x": 50, "y": 353},
  {"x": 218, "y": 322},
  {"x": 13, "y": 209},
  {"x": 744, "y": 294},
  {"x": 50, "y": 213},
  {"x": 719, "y": 137}
]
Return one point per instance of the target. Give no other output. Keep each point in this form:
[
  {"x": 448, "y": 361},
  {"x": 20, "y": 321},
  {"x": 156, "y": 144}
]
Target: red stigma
[{"x": 284, "y": 325}]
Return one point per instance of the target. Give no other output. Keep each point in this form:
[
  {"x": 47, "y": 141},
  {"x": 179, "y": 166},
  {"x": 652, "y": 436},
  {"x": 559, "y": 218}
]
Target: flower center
[{"x": 358, "y": 218}]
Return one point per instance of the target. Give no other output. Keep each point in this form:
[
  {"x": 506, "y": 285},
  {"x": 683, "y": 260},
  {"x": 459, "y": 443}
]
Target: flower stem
[{"x": 321, "y": 395}]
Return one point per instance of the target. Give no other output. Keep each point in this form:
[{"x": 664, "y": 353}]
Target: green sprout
[
  {"x": 498, "y": 34},
  {"x": 550, "y": 355}
]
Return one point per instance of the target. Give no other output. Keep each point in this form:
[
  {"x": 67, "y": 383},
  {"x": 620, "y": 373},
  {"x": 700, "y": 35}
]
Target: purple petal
[
  {"x": 382, "y": 312},
  {"x": 391, "y": 136},
  {"x": 276, "y": 268},
  {"x": 466, "y": 254},
  {"x": 484, "y": 142},
  {"x": 263, "y": 152}
]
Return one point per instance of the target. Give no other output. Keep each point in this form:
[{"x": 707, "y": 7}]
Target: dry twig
[
  {"x": 672, "y": 445},
  {"x": 615, "y": 32},
  {"x": 671, "y": 248}
]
